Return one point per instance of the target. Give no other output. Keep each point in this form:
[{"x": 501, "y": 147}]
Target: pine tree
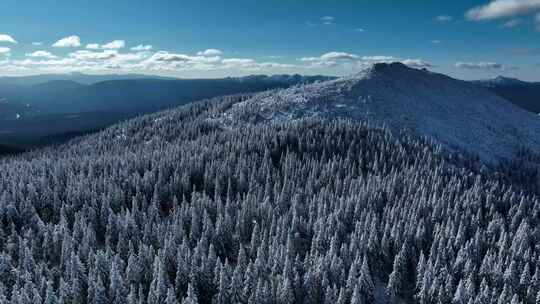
[
  {"x": 365, "y": 282},
  {"x": 396, "y": 280},
  {"x": 191, "y": 297},
  {"x": 357, "y": 298},
  {"x": 100, "y": 295},
  {"x": 515, "y": 300},
  {"x": 286, "y": 292},
  {"x": 460, "y": 297},
  {"x": 506, "y": 295},
  {"x": 50, "y": 296},
  {"x": 171, "y": 297}
]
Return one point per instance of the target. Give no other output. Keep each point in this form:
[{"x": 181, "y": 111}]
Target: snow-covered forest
[{"x": 176, "y": 208}]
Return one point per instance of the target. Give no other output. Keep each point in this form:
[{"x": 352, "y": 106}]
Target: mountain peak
[
  {"x": 393, "y": 66},
  {"x": 454, "y": 113},
  {"x": 390, "y": 71}
]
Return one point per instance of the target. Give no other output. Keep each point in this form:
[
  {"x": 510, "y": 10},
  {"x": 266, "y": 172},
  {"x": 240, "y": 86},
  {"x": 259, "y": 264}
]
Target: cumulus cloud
[
  {"x": 170, "y": 57},
  {"x": 353, "y": 61},
  {"x": 332, "y": 56},
  {"x": 359, "y": 30},
  {"x": 37, "y": 43},
  {"x": 141, "y": 48},
  {"x": 338, "y": 56},
  {"x": 502, "y": 9},
  {"x": 379, "y": 58},
  {"x": 140, "y": 58},
  {"x": 483, "y": 66},
  {"x": 177, "y": 62},
  {"x": 114, "y": 45},
  {"x": 417, "y": 63},
  {"x": 4, "y": 50},
  {"x": 71, "y": 41},
  {"x": 443, "y": 19},
  {"x": 7, "y": 38},
  {"x": 210, "y": 52},
  {"x": 92, "y": 46},
  {"x": 41, "y": 54},
  {"x": 90, "y": 55}
]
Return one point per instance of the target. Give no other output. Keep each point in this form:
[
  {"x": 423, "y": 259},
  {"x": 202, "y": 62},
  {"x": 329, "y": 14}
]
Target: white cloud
[
  {"x": 37, "y": 43},
  {"x": 417, "y": 63},
  {"x": 64, "y": 62},
  {"x": 483, "y": 66},
  {"x": 114, "y": 45},
  {"x": 338, "y": 56},
  {"x": 356, "y": 62},
  {"x": 169, "y": 57},
  {"x": 7, "y": 38},
  {"x": 503, "y": 8},
  {"x": 89, "y": 55},
  {"x": 443, "y": 18},
  {"x": 4, "y": 50},
  {"x": 510, "y": 24},
  {"x": 380, "y": 58},
  {"x": 41, "y": 54},
  {"x": 92, "y": 46},
  {"x": 360, "y": 30},
  {"x": 174, "y": 62},
  {"x": 130, "y": 56},
  {"x": 71, "y": 41},
  {"x": 238, "y": 61},
  {"x": 141, "y": 47},
  {"x": 210, "y": 52}
]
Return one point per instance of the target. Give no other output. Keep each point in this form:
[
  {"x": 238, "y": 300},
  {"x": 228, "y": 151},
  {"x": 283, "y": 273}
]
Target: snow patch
[{"x": 457, "y": 114}]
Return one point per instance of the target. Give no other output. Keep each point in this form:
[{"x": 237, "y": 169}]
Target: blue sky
[{"x": 465, "y": 39}]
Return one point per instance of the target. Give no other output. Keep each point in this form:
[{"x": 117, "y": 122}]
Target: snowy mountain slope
[
  {"x": 521, "y": 93},
  {"x": 457, "y": 114}
]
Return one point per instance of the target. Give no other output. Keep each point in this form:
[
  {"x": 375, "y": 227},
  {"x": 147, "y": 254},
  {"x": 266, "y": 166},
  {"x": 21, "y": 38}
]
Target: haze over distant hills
[
  {"x": 75, "y": 77},
  {"x": 33, "y": 109},
  {"x": 36, "y": 109}
]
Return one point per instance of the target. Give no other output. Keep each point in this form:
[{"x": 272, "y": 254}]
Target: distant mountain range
[
  {"x": 37, "y": 109},
  {"x": 74, "y": 77},
  {"x": 31, "y": 109},
  {"x": 522, "y": 93},
  {"x": 134, "y": 95}
]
